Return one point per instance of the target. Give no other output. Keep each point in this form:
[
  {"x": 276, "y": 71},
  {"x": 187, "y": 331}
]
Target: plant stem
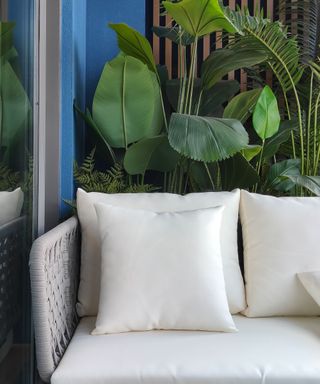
[
  {"x": 309, "y": 125},
  {"x": 315, "y": 139},
  {"x": 165, "y": 181},
  {"x": 123, "y": 106},
  {"x": 194, "y": 59},
  {"x": 190, "y": 77},
  {"x": 162, "y": 103},
  {"x": 209, "y": 175},
  {"x": 260, "y": 163},
  {"x": 292, "y": 133},
  {"x": 184, "y": 81},
  {"x": 199, "y": 102}
]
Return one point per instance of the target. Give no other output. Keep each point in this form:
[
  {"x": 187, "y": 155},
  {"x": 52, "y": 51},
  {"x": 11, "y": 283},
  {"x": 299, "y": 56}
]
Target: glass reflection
[{"x": 16, "y": 128}]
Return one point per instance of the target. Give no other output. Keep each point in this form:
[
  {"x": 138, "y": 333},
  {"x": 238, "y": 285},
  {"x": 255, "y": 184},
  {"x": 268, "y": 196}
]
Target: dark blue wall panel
[{"x": 86, "y": 44}]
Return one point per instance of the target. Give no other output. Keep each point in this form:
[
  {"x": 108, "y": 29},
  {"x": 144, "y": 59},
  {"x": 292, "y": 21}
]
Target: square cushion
[
  {"x": 265, "y": 351},
  {"x": 281, "y": 239},
  {"x": 88, "y": 296},
  {"x": 11, "y": 205},
  {"x": 161, "y": 271}
]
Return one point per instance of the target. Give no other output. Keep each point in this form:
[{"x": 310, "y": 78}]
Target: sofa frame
[{"x": 54, "y": 272}]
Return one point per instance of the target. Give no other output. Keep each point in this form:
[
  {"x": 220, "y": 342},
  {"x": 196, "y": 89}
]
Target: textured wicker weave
[
  {"x": 11, "y": 253},
  {"x": 54, "y": 273}
]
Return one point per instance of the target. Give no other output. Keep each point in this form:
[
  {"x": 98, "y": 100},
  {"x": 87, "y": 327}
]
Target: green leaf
[
  {"x": 222, "y": 61},
  {"x": 154, "y": 154},
  {"x": 281, "y": 48},
  {"x": 173, "y": 88},
  {"x": 126, "y": 104},
  {"x": 311, "y": 183},
  {"x": 6, "y": 37},
  {"x": 213, "y": 99},
  {"x": 242, "y": 105},
  {"x": 206, "y": 138},
  {"x": 266, "y": 116},
  {"x": 174, "y": 35},
  {"x": 15, "y": 110},
  {"x": 275, "y": 178},
  {"x": 251, "y": 151},
  {"x": 273, "y": 144},
  {"x": 199, "y": 17},
  {"x": 132, "y": 43},
  {"x": 237, "y": 172},
  {"x": 200, "y": 181},
  {"x": 87, "y": 118}
]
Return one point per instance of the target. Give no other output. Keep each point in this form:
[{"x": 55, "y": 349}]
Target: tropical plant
[
  {"x": 112, "y": 180},
  {"x": 15, "y": 105},
  {"x": 196, "y": 131}
]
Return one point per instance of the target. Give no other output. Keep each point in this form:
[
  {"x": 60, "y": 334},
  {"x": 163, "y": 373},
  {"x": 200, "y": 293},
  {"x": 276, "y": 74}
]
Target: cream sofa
[{"x": 275, "y": 350}]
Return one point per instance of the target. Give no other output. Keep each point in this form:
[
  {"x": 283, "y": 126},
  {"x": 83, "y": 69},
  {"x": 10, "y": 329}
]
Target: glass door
[{"x": 16, "y": 188}]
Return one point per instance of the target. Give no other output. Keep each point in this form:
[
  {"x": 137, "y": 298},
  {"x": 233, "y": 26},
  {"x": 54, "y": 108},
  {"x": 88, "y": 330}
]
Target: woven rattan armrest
[{"x": 54, "y": 273}]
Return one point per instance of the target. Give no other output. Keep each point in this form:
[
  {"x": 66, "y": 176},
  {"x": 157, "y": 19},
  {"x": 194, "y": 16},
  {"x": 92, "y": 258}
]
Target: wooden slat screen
[{"x": 167, "y": 53}]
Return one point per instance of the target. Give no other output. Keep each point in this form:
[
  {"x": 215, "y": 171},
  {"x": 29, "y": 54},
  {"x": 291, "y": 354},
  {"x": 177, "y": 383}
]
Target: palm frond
[
  {"x": 282, "y": 50},
  {"x": 302, "y": 17}
]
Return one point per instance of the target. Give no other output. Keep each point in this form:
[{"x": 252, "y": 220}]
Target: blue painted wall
[
  {"x": 101, "y": 40},
  {"x": 73, "y": 63},
  {"x": 86, "y": 44}
]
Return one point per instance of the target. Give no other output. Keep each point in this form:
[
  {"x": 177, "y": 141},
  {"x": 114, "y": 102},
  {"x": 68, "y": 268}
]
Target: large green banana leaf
[
  {"x": 126, "y": 105},
  {"x": 132, "y": 43},
  {"x": 154, "y": 153}
]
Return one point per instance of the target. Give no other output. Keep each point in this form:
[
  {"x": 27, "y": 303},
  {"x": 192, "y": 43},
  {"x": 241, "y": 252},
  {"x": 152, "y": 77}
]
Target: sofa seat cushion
[{"x": 264, "y": 351}]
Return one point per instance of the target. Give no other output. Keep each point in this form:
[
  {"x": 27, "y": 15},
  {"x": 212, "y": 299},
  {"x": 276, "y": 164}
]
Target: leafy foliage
[
  {"x": 132, "y": 43},
  {"x": 206, "y": 138},
  {"x": 9, "y": 180},
  {"x": 126, "y": 101},
  {"x": 206, "y": 144},
  {"x": 283, "y": 55},
  {"x": 199, "y": 17},
  {"x": 306, "y": 16},
  {"x": 112, "y": 180},
  {"x": 266, "y": 116}
]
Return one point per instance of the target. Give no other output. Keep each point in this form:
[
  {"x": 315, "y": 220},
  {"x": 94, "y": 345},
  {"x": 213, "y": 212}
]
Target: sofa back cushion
[
  {"x": 88, "y": 297},
  {"x": 161, "y": 271},
  {"x": 311, "y": 282},
  {"x": 11, "y": 205},
  {"x": 281, "y": 240}
]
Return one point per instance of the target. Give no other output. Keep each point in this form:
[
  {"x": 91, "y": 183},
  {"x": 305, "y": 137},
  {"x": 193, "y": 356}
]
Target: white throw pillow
[
  {"x": 281, "y": 239},
  {"x": 10, "y": 205},
  {"x": 311, "y": 282},
  {"x": 161, "y": 271},
  {"x": 88, "y": 296}
]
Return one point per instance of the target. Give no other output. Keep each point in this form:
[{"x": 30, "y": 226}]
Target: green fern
[
  {"x": 113, "y": 180},
  {"x": 9, "y": 180}
]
